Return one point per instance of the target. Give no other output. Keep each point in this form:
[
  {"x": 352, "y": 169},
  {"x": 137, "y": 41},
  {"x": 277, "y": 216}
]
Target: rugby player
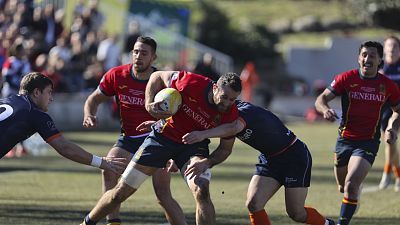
[
  {"x": 364, "y": 92},
  {"x": 24, "y": 114},
  {"x": 127, "y": 84},
  {"x": 391, "y": 68},
  {"x": 204, "y": 105},
  {"x": 284, "y": 161}
]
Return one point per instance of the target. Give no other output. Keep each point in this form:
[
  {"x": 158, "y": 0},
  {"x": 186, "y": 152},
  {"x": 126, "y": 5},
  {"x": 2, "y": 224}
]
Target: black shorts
[
  {"x": 345, "y": 148},
  {"x": 156, "y": 150},
  {"x": 130, "y": 144},
  {"x": 291, "y": 168}
]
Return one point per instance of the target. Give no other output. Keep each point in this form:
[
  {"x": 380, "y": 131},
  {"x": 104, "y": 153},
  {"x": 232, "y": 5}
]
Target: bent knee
[
  {"x": 253, "y": 205},
  {"x": 201, "y": 192},
  {"x": 298, "y": 215}
]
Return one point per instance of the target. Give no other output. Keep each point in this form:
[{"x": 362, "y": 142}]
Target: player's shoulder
[
  {"x": 349, "y": 74},
  {"x": 120, "y": 70}
]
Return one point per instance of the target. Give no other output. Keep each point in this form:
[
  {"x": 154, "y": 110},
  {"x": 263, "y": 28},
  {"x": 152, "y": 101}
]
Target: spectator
[
  {"x": 108, "y": 52},
  {"x": 206, "y": 68}
]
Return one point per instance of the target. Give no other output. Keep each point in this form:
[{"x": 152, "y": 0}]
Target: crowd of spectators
[{"x": 35, "y": 38}]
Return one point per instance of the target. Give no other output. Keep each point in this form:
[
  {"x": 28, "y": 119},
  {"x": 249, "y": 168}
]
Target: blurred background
[{"x": 286, "y": 51}]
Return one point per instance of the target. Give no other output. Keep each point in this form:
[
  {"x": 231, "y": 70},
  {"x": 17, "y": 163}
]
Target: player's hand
[
  {"x": 171, "y": 166},
  {"x": 116, "y": 165},
  {"x": 89, "y": 121},
  {"x": 195, "y": 168},
  {"x": 145, "y": 126},
  {"x": 330, "y": 115},
  {"x": 193, "y": 137},
  {"x": 156, "y": 111},
  {"x": 391, "y": 136}
]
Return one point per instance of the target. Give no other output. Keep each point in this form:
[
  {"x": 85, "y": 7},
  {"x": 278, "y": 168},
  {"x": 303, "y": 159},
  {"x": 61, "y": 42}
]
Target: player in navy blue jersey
[
  {"x": 284, "y": 160},
  {"x": 391, "y": 69},
  {"x": 24, "y": 114}
]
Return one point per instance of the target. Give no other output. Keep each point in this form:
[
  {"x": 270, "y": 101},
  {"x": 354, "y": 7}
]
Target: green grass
[{"x": 52, "y": 190}]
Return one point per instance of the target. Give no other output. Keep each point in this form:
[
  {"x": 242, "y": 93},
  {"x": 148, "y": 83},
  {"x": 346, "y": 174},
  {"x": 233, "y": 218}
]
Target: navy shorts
[
  {"x": 130, "y": 144},
  {"x": 345, "y": 148},
  {"x": 156, "y": 150},
  {"x": 387, "y": 113},
  {"x": 292, "y": 168}
]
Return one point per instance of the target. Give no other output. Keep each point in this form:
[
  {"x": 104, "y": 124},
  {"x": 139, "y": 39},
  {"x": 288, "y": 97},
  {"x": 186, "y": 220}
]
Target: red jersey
[
  {"x": 120, "y": 82},
  {"x": 362, "y": 103},
  {"x": 195, "y": 113}
]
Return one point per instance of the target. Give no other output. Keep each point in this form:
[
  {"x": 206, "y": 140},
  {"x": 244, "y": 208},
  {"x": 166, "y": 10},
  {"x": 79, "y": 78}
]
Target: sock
[
  {"x": 387, "y": 168},
  {"x": 396, "y": 171},
  {"x": 88, "y": 221},
  {"x": 346, "y": 211},
  {"x": 314, "y": 217},
  {"x": 259, "y": 218},
  {"x": 114, "y": 222}
]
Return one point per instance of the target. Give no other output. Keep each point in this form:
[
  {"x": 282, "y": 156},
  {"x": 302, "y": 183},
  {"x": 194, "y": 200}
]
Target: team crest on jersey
[
  {"x": 136, "y": 92},
  {"x": 382, "y": 89}
]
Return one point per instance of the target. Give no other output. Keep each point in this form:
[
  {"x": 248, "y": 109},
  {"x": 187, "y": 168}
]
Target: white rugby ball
[{"x": 171, "y": 100}]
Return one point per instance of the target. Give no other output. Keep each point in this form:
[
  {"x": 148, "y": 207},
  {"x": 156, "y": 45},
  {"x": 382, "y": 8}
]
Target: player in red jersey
[
  {"x": 364, "y": 92},
  {"x": 127, "y": 83},
  {"x": 204, "y": 105}
]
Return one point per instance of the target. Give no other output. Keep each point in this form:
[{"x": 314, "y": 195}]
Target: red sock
[
  {"x": 313, "y": 217},
  {"x": 387, "y": 168},
  {"x": 259, "y": 218},
  {"x": 396, "y": 170}
]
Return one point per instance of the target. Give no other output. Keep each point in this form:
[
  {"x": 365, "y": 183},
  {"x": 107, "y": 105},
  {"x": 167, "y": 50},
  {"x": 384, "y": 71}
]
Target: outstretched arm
[
  {"x": 322, "y": 106},
  {"x": 219, "y": 155},
  {"x": 90, "y": 109},
  {"x": 158, "y": 80},
  {"x": 224, "y": 130},
  {"x": 393, "y": 126},
  {"x": 75, "y": 153}
]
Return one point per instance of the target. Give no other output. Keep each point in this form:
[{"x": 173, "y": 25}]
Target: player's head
[
  {"x": 226, "y": 90},
  {"x": 39, "y": 88},
  {"x": 370, "y": 56},
  {"x": 144, "y": 53},
  {"x": 391, "y": 49}
]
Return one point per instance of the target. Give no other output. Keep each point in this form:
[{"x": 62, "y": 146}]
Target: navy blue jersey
[
  {"x": 392, "y": 71},
  {"x": 19, "y": 119},
  {"x": 263, "y": 131}
]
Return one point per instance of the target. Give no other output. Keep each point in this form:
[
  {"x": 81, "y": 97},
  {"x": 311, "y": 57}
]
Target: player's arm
[
  {"x": 90, "y": 108},
  {"x": 322, "y": 106},
  {"x": 158, "y": 80},
  {"x": 75, "y": 153},
  {"x": 224, "y": 130},
  {"x": 219, "y": 155},
  {"x": 393, "y": 125}
]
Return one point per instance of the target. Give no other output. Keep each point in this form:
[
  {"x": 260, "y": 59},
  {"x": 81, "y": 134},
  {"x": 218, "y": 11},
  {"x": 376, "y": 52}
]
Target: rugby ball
[{"x": 171, "y": 100}]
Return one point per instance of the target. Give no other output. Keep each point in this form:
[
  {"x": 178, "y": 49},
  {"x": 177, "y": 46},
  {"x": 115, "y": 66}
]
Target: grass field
[{"x": 52, "y": 190}]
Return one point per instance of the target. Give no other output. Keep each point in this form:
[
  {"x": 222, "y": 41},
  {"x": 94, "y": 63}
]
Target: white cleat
[{"x": 385, "y": 181}]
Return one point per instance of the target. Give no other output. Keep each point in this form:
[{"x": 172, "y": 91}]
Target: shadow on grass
[{"x": 46, "y": 215}]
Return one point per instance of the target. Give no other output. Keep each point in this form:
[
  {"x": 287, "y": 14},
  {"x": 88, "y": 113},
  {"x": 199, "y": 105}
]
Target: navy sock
[{"x": 346, "y": 211}]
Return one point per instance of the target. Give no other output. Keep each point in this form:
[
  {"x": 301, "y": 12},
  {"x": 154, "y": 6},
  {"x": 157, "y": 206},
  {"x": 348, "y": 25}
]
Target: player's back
[
  {"x": 264, "y": 131},
  {"x": 14, "y": 121}
]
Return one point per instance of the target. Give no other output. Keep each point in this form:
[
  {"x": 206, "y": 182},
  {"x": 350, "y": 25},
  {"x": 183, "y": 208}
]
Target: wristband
[{"x": 96, "y": 161}]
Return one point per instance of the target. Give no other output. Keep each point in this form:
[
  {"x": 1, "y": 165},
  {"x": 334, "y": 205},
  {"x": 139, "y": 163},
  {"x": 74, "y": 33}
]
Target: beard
[{"x": 141, "y": 68}]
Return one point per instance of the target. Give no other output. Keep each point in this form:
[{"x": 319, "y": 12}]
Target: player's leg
[
  {"x": 340, "y": 175},
  {"x": 110, "y": 179},
  {"x": 394, "y": 161},
  {"x": 161, "y": 184},
  {"x": 357, "y": 171},
  {"x": 133, "y": 176},
  {"x": 200, "y": 188},
  {"x": 295, "y": 199},
  {"x": 260, "y": 190},
  {"x": 387, "y": 168}
]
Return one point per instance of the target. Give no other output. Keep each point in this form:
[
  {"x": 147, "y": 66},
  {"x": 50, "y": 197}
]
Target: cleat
[
  {"x": 330, "y": 221},
  {"x": 385, "y": 181},
  {"x": 397, "y": 185}
]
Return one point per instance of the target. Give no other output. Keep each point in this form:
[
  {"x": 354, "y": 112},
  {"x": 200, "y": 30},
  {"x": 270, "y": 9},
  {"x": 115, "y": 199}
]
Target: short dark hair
[
  {"x": 34, "y": 80},
  {"x": 373, "y": 44},
  {"x": 231, "y": 80},
  {"x": 148, "y": 41}
]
